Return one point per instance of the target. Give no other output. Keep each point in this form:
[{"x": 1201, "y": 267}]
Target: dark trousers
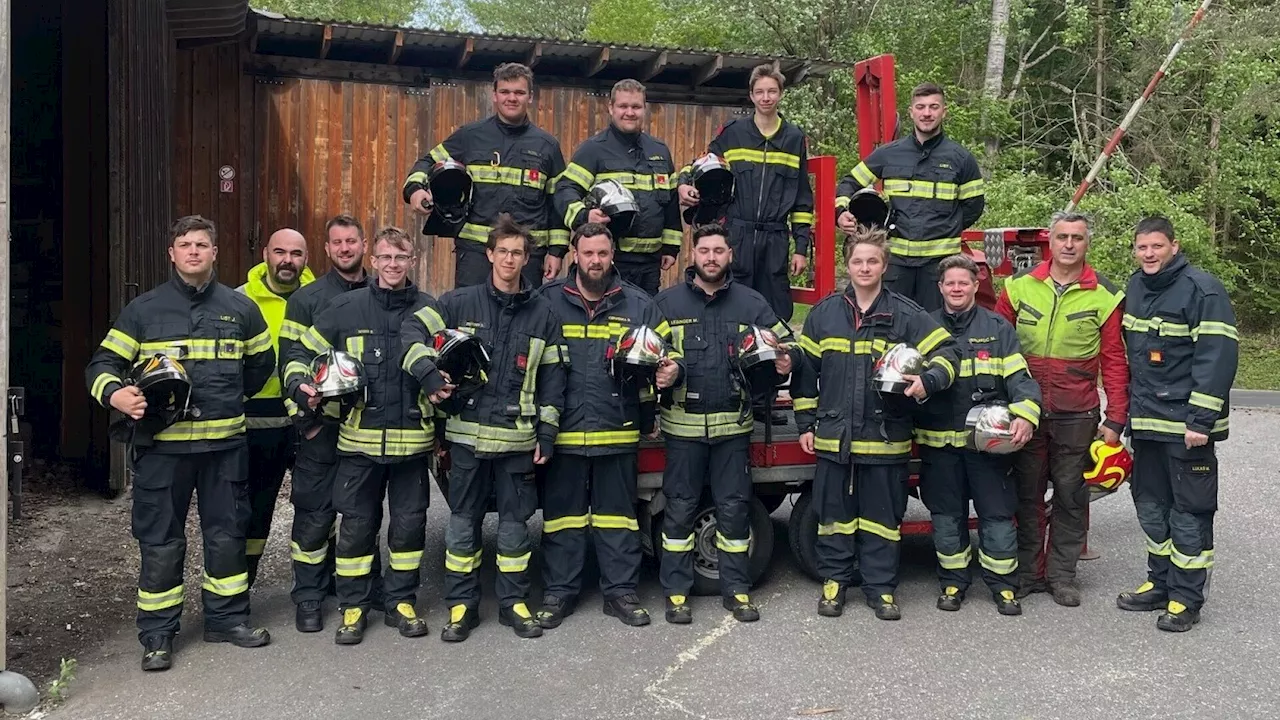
[
  {"x": 949, "y": 479},
  {"x": 313, "y": 545},
  {"x": 359, "y": 486},
  {"x": 162, "y": 488},
  {"x": 606, "y": 485},
  {"x": 471, "y": 265},
  {"x": 691, "y": 466},
  {"x": 860, "y": 509},
  {"x": 271, "y": 453},
  {"x": 644, "y": 271},
  {"x": 1058, "y": 453},
  {"x": 918, "y": 283},
  {"x": 1175, "y": 491},
  {"x": 762, "y": 261},
  {"x": 472, "y": 480}
]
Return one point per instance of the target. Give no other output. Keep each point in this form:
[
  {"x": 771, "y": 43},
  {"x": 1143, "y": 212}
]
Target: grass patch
[{"x": 1259, "y": 362}]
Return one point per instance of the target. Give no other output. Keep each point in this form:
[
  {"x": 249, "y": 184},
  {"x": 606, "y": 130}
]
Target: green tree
[{"x": 380, "y": 12}]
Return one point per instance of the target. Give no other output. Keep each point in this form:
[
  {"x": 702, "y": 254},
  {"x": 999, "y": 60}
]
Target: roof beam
[
  {"x": 598, "y": 62},
  {"x": 654, "y": 66},
  {"x": 326, "y": 42},
  {"x": 464, "y": 55},
  {"x": 709, "y": 70},
  {"x": 532, "y": 57},
  {"x": 396, "y": 48}
]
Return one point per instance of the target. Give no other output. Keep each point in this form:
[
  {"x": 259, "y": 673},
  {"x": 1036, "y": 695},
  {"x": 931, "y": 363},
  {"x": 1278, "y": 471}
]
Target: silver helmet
[
  {"x": 900, "y": 360},
  {"x": 337, "y": 374},
  {"x": 636, "y": 354},
  {"x": 989, "y": 429},
  {"x": 613, "y": 199}
]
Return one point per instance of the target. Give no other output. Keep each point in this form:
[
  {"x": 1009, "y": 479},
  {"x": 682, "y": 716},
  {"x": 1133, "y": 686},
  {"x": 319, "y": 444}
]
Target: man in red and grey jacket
[{"x": 1068, "y": 319}]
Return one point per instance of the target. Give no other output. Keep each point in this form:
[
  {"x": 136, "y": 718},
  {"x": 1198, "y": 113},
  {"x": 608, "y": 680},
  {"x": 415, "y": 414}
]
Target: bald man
[{"x": 272, "y": 436}]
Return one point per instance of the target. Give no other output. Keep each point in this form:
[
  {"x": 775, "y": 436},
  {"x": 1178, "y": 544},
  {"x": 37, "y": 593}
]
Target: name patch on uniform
[
  {"x": 364, "y": 331},
  {"x": 979, "y": 341},
  {"x": 619, "y": 318},
  {"x": 682, "y": 321},
  {"x": 228, "y": 318},
  {"x": 532, "y": 153},
  {"x": 470, "y": 324},
  {"x": 944, "y": 166},
  {"x": 656, "y": 157}
]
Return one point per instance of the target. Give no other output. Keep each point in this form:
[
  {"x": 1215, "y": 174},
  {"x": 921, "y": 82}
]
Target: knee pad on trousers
[
  {"x": 357, "y": 535},
  {"x": 949, "y": 533},
  {"x": 513, "y": 537},
  {"x": 162, "y": 565},
  {"x": 732, "y": 521},
  {"x": 1154, "y": 519},
  {"x": 312, "y": 530},
  {"x": 460, "y": 534},
  {"x": 999, "y": 536},
  {"x": 407, "y": 531},
  {"x": 678, "y": 515},
  {"x": 1188, "y": 534}
]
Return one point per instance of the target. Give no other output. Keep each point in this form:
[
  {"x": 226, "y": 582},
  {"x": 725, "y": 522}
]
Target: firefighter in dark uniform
[
  {"x": 707, "y": 432},
  {"x": 643, "y": 164},
  {"x": 223, "y": 343},
  {"x": 272, "y": 438},
  {"x": 312, "y": 543},
  {"x": 500, "y": 433},
  {"x": 383, "y": 441},
  {"x": 772, "y": 200},
  {"x": 862, "y": 436},
  {"x": 1183, "y": 346},
  {"x": 514, "y": 165},
  {"x": 591, "y": 481},
  {"x": 991, "y": 369},
  {"x": 934, "y": 187}
]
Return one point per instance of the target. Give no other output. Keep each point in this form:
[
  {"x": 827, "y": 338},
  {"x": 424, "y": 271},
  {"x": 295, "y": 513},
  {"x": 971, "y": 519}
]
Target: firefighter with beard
[
  {"x": 217, "y": 339},
  {"x": 498, "y": 434},
  {"x": 707, "y": 427},
  {"x": 513, "y": 165},
  {"x": 383, "y": 442},
  {"x": 649, "y": 242},
  {"x": 592, "y": 478},
  {"x": 860, "y": 430},
  {"x": 312, "y": 541},
  {"x": 272, "y": 438}
]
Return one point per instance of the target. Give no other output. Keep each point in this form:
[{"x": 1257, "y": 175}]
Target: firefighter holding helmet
[
  {"x": 965, "y": 436},
  {"x": 203, "y": 348},
  {"x": 1183, "y": 348}
]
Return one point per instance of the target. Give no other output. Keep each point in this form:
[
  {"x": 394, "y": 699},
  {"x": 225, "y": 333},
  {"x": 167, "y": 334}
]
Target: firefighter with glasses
[
  {"x": 965, "y": 436},
  {"x": 384, "y": 440},
  {"x": 500, "y": 431},
  {"x": 178, "y": 363},
  {"x": 1183, "y": 347}
]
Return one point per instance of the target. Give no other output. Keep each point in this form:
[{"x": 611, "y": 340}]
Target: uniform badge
[
  {"x": 984, "y": 355},
  {"x": 661, "y": 179},
  {"x": 522, "y": 361},
  {"x": 1155, "y": 357},
  {"x": 534, "y": 175}
]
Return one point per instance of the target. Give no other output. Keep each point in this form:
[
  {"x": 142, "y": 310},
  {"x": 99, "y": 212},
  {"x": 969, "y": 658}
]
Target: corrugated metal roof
[
  {"x": 278, "y": 34},
  {"x": 202, "y": 19}
]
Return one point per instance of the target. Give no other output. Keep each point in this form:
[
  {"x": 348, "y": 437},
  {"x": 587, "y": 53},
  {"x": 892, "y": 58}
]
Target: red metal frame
[
  {"x": 877, "y": 102},
  {"x": 822, "y": 168}
]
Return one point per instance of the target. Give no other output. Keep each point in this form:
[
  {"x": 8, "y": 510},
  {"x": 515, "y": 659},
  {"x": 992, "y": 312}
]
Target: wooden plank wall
[{"x": 324, "y": 147}]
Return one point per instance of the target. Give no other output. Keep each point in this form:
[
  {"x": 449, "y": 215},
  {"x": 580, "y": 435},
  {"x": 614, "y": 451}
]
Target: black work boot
[
  {"x": 1177, "y": 618},
  {"x": 354, "y": 622},
  {"x": 518, "y": 618},
  {"x": 553, "y": 612},
  {"x": 307, "y": 617},
  {"x": 950, "y": 599},
  {"x": 241, "y": 636},
  {"x": 462, "y": 620},
  {"x": 678, "y": 610},
  {"x": 743, "y": 609},
  {"x": 1026, "y": 586},
  {"x": 885, "y": 607},
  {"x": 1066, "y": 593},
  {"x": 157, "y": 653},
  {"x": 831, "y": 603},
  {"x": 627, "y": 609},
  {"x": 1146, "y": 598},
  {"x": 1007, "y": 604},
  {"x": 404, "y": 617}
]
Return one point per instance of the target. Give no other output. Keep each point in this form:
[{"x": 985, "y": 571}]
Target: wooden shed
[{"x": 303, "y": 119}]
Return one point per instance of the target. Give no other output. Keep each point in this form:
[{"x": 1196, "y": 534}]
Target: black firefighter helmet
[
  {"x": 712, "y": 177},
  {"x": 634, "y": 358},
  {"x": 869, "y": 208},
  {"x": 465, "y": 360},
  {"x": 613, "y": 199},
  {"x": 754, "y": 352},
  {"x": 450, "y": 186},
  {"x": 167, "y": 389}
]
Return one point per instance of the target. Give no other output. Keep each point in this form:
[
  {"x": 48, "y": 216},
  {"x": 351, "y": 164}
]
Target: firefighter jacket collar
[
  {"x": 346, "y": 285},
  {"x": 1167, "y": 274},
  {"x": 929, "y": 144},
  {"x": 1088, "y": 278},
  {"x": 627, "y": 138},
  {"x": 606, "y": 299},
  {"x": 691, "y": 275},
  {"x": 258, "y": 289},
  {"x": 506, "y": 299},
  {"x": 189, "y": 291},
  {"x": 958, "y": 323},
  {"x": 880, "y": 312},
  {"x": 394, "y": 299},
  {"x": 506, "y": 127}
]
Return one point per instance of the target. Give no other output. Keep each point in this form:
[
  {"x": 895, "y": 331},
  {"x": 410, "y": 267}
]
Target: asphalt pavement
[{"x": 1052, "y": 662}]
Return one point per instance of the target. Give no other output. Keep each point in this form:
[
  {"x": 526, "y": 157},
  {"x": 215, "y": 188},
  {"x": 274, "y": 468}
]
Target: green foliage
[
  {"x": 1259, "y": 362},
  {"x": 380, "y": 12},
  {"x": 60, "y": 688}
]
